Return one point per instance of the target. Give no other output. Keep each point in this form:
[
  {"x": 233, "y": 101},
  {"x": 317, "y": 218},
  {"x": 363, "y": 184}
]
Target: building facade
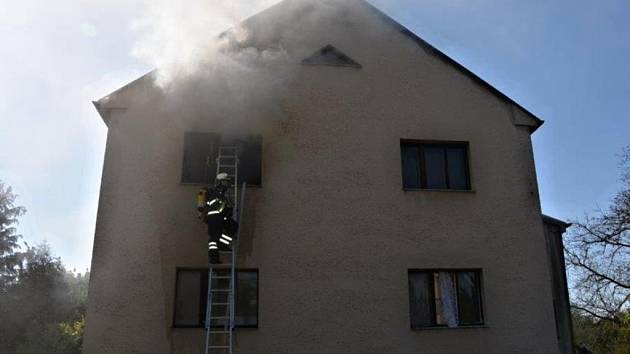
[{"x": 392, "y": 203}]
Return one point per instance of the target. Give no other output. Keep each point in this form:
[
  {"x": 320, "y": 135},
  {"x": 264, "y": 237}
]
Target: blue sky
[{"x": 565, "y": 61}]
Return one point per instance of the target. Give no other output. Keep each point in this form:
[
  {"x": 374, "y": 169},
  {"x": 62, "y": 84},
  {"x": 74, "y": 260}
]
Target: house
[{"x": 392, "y": 203}]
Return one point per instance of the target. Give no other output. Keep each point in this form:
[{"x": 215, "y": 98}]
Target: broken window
[
  {"x": 434, "y": 165},
  {"x": 445, "y": 298},
  {"x": 201, "y": 151},
  {"x": 191, "y": 295}
]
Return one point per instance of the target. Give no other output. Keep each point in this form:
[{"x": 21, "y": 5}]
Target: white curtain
[{"x": 448, "y": 297}]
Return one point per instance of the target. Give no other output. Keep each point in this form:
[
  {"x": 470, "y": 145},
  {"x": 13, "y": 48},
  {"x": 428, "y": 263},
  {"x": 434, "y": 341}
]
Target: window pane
[
  {"x": 469, "y": 299},
  {"x": 457, "y": 168},
  {"x": 199, "y": 157},
  {"x": 420, "y": 299},
  {"x": 410, "y": 166},
  {"x": 247, "y": 299},
  {"x": 250, "y": 165},
  {"x": 187, "y": 304},
  {"x": 434, "y": 167},
  {"x": 219, "y": 296}
]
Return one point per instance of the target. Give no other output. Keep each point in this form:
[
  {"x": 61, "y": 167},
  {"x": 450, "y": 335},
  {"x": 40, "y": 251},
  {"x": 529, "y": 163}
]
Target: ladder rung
[
  {"x": 221, "y": 277},
  {"x": 220, "y": 303},
  {"x": 217, "y": 332},
  {"x": 220, "y": 290},
  {"x": 220, "y": 318},
  {"x": 218, "y": 346}
]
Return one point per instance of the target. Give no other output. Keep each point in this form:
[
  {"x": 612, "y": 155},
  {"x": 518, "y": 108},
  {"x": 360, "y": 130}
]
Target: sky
[{"x": 564, "y": 61}]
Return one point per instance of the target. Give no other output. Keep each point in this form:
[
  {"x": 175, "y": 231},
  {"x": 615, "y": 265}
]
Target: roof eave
[
  {"x": 102, "y": 112},
  {"x": 436, "y": 52},
  {"x": 553, "y": 221},
  {"x": 107, "y": 103}
]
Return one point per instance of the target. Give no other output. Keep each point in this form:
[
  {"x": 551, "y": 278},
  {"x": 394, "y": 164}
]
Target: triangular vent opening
[{"x": 331, "y": 56}]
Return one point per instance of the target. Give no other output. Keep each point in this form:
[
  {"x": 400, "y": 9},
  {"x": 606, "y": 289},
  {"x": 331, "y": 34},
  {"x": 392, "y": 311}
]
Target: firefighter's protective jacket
[{"x": 211, "y": 203}]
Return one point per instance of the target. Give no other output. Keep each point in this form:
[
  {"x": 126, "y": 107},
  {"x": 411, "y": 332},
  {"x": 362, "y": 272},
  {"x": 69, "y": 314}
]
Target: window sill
[
  {"x": 204, "y": 327},
  {"x": 191, "y": 184},
  {"x": 447, "y": 328},
  {"x": 439, "y": 190}
]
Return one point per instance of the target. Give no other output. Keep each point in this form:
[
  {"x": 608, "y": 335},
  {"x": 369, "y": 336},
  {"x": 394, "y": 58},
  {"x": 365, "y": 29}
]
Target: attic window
[{"x": 331, "y": 56}]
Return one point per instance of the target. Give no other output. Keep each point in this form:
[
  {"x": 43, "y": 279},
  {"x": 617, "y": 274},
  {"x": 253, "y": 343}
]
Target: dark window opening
[
  {"x": 445, "y": 298},
  {"x": 435, "y": 165},
  {"x": 201, "y": 151},
  {"x": 191, "y": 296},
  {"x": 329, "y": 55}
]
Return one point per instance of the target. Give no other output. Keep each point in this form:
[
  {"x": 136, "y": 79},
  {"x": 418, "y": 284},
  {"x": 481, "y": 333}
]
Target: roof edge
[
  {"x": 108, "y": 102},
  {"x": 436, "y": 52},
  {"x": 553, "y": 221},
  {"x": 404, "y": 30}
]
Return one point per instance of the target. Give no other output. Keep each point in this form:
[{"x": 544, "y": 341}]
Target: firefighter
[{"x": 215, "y": 210}]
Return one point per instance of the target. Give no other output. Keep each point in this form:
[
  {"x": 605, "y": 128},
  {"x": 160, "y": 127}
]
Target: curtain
[{"x": 448, "y": 298}]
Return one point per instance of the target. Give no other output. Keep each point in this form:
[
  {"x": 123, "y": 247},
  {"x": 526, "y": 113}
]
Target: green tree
[
  {"x": 42, "y": 306},
  {"x": 602, "y": 336},
  {"x": 43, "y": 310},
  {"x": 9, "y": 238}
]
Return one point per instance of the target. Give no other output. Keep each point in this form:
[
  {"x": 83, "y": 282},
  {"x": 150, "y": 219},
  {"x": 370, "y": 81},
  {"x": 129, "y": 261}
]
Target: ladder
[{"x": 222, "y": 278}]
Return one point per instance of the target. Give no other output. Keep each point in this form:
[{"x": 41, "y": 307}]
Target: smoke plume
[{"x": 182, "y": 38}]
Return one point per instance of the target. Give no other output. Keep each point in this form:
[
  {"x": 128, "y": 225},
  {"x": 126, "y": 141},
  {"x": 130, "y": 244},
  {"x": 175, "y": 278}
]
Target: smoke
[
  {"x": 182, "y": 38},
  {"x": 212, "y": 63}
]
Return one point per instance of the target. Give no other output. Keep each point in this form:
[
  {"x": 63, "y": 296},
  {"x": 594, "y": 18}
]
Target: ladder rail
[
  {"x": 229, "y": 318},
  {"x": 209, "y": 309},
  {"x": 233, "y": 280}
]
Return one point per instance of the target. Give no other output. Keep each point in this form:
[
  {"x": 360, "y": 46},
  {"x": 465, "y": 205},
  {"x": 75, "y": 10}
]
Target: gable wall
[{"x": 330, "y": 230}]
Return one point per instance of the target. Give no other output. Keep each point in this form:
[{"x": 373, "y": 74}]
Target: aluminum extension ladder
[{"x": 222, "y": 278}]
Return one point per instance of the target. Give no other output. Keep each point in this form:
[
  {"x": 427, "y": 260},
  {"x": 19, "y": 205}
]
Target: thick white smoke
[
  {"x": 210, "y": 65},
  {"x": 181, "y": 38}
]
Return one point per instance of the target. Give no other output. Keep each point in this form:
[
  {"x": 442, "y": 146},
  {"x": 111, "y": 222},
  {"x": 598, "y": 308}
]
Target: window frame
[
  {"x": 211, "y": 173},
  {"x": 479, "y": 283},
  {"x": 187, "y": 134},
  {"x": 203, "y": 296},
  {"x": 444, "y": 144}
]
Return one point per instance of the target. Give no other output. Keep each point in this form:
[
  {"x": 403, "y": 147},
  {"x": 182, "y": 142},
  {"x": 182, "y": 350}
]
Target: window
[
  {"x": 435, "y": 165},
  {"x": 201, "y": 150},
  {"x": 445, "y": 298},
  {"x": 190, "y": 298}
]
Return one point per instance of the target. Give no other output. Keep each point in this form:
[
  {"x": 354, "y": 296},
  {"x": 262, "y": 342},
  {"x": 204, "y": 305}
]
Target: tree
[
  {"x": 601, "y": 336},
  {"x": 9, "y": 213},
  {"x": 598, "y": 256},
  {"x": 43, "y": 309},
  {"x": 42, "y": 306}
]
